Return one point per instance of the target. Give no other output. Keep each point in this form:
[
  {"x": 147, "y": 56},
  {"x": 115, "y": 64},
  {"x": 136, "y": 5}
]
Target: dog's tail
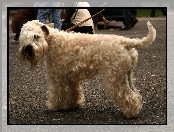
[{"x": 134, "y": 43}]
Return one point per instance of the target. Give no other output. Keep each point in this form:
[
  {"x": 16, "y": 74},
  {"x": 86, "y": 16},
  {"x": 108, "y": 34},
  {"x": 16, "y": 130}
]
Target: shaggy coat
[{"x": 72, "y": 57}]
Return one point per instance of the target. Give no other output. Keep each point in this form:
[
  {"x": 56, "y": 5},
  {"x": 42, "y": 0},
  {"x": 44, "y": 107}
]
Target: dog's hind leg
[
  {"x": 134, "y": 58},
  {"x": 130, "y": 80},
  {"x": 129, "y": 101}
]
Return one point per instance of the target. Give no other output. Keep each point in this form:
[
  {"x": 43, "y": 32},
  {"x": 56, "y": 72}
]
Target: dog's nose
[{"x": 28, "y": 50}]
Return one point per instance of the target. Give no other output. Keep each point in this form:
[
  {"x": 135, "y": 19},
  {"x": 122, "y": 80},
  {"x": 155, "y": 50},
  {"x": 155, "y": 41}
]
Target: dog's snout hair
[
  {"x": 28, "y": 50},
  {"x": 27, "y": 53}
]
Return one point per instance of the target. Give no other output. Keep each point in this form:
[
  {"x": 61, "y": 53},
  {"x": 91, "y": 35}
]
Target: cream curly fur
[{"x": 72, "y": 57}]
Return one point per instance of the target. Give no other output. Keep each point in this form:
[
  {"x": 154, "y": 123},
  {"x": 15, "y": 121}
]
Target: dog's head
[{"x": 32, "y": 41}]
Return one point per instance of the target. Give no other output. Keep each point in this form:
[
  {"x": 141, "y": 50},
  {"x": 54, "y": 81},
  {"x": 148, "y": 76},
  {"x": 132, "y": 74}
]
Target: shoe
[
  {"x": 125, "y": 28},
  {"x": 16, "y": 37},
  {"x": 106, "y": 24},
  {"x": 95, "y": 26},
  {"x": 134, "y": 23}
]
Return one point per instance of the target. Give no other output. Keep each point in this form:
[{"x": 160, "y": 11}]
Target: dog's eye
[{"x": 36, "y": 36}]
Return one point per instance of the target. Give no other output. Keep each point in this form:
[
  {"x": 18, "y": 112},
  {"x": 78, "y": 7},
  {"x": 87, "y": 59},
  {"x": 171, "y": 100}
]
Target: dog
[{"x": 73, "y": 57}]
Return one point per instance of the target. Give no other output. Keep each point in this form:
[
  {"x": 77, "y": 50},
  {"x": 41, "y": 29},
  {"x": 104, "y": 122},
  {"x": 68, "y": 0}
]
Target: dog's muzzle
[{"x": 27, "y": 52}]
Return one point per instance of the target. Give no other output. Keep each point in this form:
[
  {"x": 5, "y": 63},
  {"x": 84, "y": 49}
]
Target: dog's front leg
[{"x": 63, "y": 94}]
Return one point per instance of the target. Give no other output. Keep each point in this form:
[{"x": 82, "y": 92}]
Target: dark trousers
[
  {"x": 128, "y": 17},
  {"x": 164, "y": 11},
  {"x": 84, "y": 29},
  {"x": 16, "y": 37},
  {"x": 97, "y": 17}
]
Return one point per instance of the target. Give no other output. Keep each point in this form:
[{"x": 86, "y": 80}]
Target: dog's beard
[
  {"x": 32, "y": 52},
  {"x": 28, "y": 53}
]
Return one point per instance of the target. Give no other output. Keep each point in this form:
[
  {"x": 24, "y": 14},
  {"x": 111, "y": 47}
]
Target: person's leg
[
  {"x": 95, "y": 18},
  {"x": 127, "y": 16},
  {"x": 164, "y": 11},
  {"x": 66, "y": 26},
  {"x": 106, "y": 22},
  {"x": 43, "y": 14},
  {"x": 84, "y": 29},
  {"x": 56, "y": 15},
  {"x": 153, "y": 13},
  {"x": 16, "y": 38},
  {"x": 129, "y": 20}
]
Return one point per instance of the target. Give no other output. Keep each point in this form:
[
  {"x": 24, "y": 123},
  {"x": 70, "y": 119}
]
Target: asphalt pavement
[{"x": 26, "y": 88}]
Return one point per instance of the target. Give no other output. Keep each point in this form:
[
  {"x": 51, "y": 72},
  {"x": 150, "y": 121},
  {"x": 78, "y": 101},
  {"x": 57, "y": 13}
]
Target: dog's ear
[{"x": 45, "y": 30}]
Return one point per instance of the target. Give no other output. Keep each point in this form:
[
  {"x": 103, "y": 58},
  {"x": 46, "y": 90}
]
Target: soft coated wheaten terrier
[{"x": 72, "y": 57}]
